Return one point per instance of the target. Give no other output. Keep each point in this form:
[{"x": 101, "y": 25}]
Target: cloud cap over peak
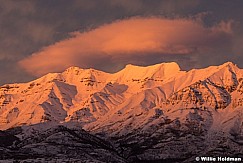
[{"x": 133, "y": 40}]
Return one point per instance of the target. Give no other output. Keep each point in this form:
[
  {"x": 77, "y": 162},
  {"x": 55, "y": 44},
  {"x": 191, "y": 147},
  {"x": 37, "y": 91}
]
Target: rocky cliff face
[{"x": 155, "y": 113}]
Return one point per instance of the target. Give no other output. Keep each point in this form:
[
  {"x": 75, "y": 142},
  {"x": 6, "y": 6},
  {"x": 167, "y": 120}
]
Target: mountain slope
[
  {"x": 57, "y": 144},
  {"x": 140, "y": 111},
  {"x": 63, "y": 96}
]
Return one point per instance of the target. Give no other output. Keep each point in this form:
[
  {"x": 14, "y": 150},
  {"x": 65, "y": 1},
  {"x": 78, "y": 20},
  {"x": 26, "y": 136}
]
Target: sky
[{"x": 42, "y": 36}]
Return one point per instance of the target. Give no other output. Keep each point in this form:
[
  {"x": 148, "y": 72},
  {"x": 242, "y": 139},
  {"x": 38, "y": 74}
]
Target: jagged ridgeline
[{"x": 154, "y": 113}]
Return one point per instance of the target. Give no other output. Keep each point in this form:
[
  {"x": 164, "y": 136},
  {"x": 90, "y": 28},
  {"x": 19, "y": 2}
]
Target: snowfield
[{"x": 156, "y": 113}]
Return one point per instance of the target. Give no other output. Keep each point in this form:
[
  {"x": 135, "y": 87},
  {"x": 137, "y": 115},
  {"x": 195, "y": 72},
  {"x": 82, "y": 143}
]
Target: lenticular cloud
[{"x": 126, "y": 40}]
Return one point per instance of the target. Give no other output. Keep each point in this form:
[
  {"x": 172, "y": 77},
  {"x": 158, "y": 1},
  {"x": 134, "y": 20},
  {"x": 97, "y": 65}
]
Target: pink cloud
[{"x": 126, "y": 39}]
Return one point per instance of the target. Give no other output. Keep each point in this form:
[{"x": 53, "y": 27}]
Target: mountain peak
[
  {"x": 162, "y": 70},
  {"x": 73, "y": 68},
  {"x": 231, "y": 64},
  {"x": 173, "y": 65}
]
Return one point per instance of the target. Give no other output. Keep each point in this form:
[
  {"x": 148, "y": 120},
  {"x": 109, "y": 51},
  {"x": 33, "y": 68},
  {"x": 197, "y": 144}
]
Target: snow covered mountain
[{"x": 153, "y": 113}]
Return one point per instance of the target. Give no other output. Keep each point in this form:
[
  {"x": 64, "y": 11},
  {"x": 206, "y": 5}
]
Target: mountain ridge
[
  {"x": 98, "y": 89},
  {"x": 142, "y": 113}
]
